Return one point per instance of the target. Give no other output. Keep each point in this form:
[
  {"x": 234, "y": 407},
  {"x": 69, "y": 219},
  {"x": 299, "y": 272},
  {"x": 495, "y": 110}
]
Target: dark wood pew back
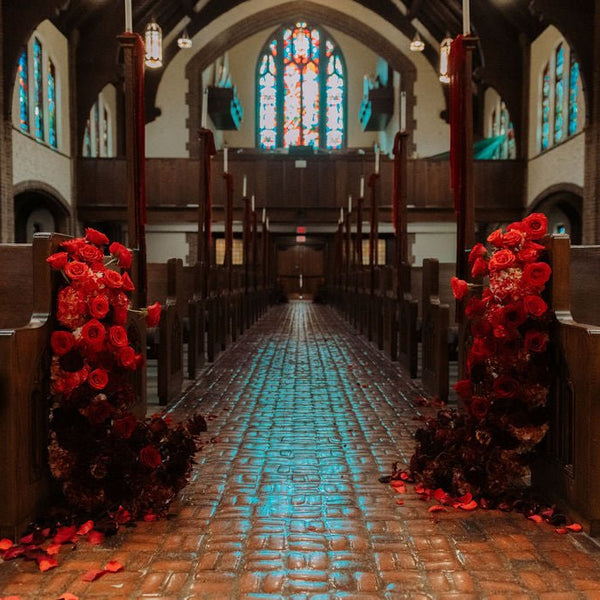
[
  {"x": 16, "y": 291},
  {"x": 585, "y": 271}
]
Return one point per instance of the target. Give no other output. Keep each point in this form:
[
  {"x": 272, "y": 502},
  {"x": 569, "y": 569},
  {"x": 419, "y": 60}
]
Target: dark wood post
[
  {"x": 358, "y": 237},
  {"x": 207, "y": 150},
  {"x": 228, "y": 260},
  {"x": 248, "y": 258},
  {"x": 400, "y": 202},
  {"x": 254, "y": 244},
  {"x": 374, "y": 227}
]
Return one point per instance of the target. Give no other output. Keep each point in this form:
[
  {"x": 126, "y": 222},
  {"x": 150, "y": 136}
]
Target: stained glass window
[
  {"x": 546, "y": 108},
  {"x": 104, "y": 132},
  {"x": 52, "y": 104},
  {"x": 87, "y": 140},
  {"x": 559, "y": 93},
  {"x": 301, "y": 90},
  {"x": 573, "y": 95},
  {"x": 23, "y": 78},
  {"x": 96, "y": 126},
  {"x": 38, "y": 89}
]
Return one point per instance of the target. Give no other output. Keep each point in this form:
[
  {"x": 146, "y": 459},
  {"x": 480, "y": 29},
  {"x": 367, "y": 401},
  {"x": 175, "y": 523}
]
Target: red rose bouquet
[
  {"x": 101, "y": 454},
  {"x": 485, "y": 450}
]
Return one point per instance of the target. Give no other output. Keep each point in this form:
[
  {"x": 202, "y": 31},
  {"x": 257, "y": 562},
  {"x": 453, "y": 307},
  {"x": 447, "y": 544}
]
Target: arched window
[
  {"x": 301, "y": 95},
  {"x": 559, "y": 93},
  {"x": 23, "y": 79},
  {"x": 38, "y": 90},
  {"x": 573, "y": 95},
  {"x": 52, "y": 104},
  {"x": 97, "y": 137},
  {"x": 546, "y": 108}
]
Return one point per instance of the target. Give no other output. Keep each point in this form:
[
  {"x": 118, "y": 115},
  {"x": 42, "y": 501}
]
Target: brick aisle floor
[{"x": 304, "y": 416}]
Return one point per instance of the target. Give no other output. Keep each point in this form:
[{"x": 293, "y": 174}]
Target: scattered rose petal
[
  {"x": 536, "y": 518},
  {"x": 561, "y": 530},
  {"x": 5, "y": 544},
  {"x": 574, "y": 527},
  {"x": 68, "y": 596},
  {"x": 399, "y": 501},
  {"x": 53, "y": 549},
  {"x": 95, "y": 537},
  {"x": 27, "y": 539},
  {"x": 404, "y": 475},
  {"x": 150, "y": 517},
  {"x": 13, "y": 552},
  {"x": 114, "y": 566},
  {"x": 468, "y": 505},
  {"x": 45, "y": 564},
  {"x": 437, "y": 508},
  {"x": 94, "y": 574},
  {"x": 66, "y": 534},
  {"x": 85, "y": 528}
]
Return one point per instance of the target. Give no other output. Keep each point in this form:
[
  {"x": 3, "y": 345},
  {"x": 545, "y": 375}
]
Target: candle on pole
[
  {"x": 349, "y": 203},
  {"x": 341, "y": 215},
  {"x": 264, "y": 215},
  {"x": 244, "y": 186},
  {"x": 225, "y": 160},
  {"x": 128, "y": 16},
  {"x": 362, "y": 186},
  {"x": 376, "y": 159},
  {"x": 204, "y": 108},
  {"x": 252, "y": 203},
  {"x": 402, "y": 110},
  {"x": 466, "y": 15}
]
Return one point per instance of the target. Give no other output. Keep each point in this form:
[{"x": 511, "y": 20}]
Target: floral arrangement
[
  {"x": 484, "y": 451},
  {"x": 107, "y": 461}
]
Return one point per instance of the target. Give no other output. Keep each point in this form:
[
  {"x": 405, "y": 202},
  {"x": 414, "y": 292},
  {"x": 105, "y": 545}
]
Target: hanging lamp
[
  {"x": 445, "y": 59},
  {"x": 153, "y": 43},
  {"x": 417, "y": 44},
  {"x": 184, "y": 41}
]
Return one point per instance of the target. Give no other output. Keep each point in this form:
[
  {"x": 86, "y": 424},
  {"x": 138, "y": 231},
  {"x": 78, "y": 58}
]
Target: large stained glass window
[
  {"x": 573, "y": 95},
  {"x": 23, "y": 78},
  {"x": 559, "y": 93},
  {"x": 38, "y": 90},
  {"x": 546, "y": 108},
  {"x": 301, "y": 90},
  {"x": 52, "y": 104}
]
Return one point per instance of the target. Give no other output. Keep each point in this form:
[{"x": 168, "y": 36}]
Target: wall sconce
[{"x": 153, "y": 43}]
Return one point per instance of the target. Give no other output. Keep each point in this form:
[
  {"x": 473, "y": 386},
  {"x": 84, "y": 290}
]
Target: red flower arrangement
[
  {"x": 485, "y": 450},
  {"x": 107, "y": 461}
]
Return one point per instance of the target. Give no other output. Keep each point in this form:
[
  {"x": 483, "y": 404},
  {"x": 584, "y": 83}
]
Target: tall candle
[
  {"x": 376, "y": 159},
  {"x": 128, "y": 17},
  {"x": 204, "y": 108},
  {"x": 244, "y": 187},
  {"x": 466, "y": 14},
  {"x": 252, "y": 203},
  {"x": 267, "y": 223},
  {"x": 362, "y": 186},
  {"x": 225, "y": 160},
  {"x": 349, "y": 203},
  {"x": 264, "y": 215},
  {"x": 403, "y": 111},
  {"x": 341, "y": 215}
]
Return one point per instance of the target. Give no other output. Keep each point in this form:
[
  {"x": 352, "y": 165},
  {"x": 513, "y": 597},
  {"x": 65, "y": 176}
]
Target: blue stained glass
[
  {"x": 52, "y": 105},
  {"x": 559, "y": 94},
  {"x": 38, "y": 89},
  {"x": 546, "y": 109},
  {"x": 87, "y": 140},
  {"x": 96, "y": 125},
  {"x": 334, "y": 121},
  {"x": 23, "y": 75},
  {"x": 573, "y": 96}
]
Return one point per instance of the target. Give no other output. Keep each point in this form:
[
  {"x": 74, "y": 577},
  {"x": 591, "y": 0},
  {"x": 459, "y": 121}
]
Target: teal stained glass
[
  {"x": 52, "y": 139},
  {"x": 559, "y": 94},
  {"x": 573, "y": 96},
  {"x": 546, "y": 109},
  {"x": 96, "y": 126},
  {"x": 300, "y": 93},
  {"x": 38, "y": 90},
  {"x": 87, "y": 140},
  {"x": 23, "y": 77}
]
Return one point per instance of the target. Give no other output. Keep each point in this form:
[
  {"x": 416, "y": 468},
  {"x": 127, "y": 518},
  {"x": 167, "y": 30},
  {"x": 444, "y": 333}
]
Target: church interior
[{"x": 298, "y": 299}]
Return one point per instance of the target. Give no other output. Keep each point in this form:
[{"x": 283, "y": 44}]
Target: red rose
[
  {"x": 112, "y": 279},
  {"x": 535, "y": 226},
  {"x": 58, "y": 260},
  {"x": 153, "y": 314},
  {"x": 90, "y": 253},
  {"x": 122, "y": 253},
  {"x": 480, "y": 267},
  {"x": 528, "y": 255},
  {"x": 460, "y": 288},
  {"x": 479, "y": 351},
  {"x": 536, "y": 341},
  {"x": 93, "y": 334},
  {"x": 506, "y": 387},
  {"x": 125, "y": 426},
  {"x": 98, "y": 411},
  {"x": 475, "y": 307},
  {"x": 119, "y": 315},
  {"x": 150, "y": 457},
  {"x": 72, "y": 246},
  {"x": 534, "y": 305},
  {"x": 477, "y": 251},
  {"x": 127, "y": 283},
  {"x": 77, "y": 270},
  {"x": 536, "y": 274},
  {"x": 117, "y": 336},
  {"x": 62, "y": 342},
  {"x": 127, "y": 358},
  {"x": 463, "y": 388},
  {"x": 120, "y": 300},
  {"x": 514, "y": 314},
  {"x": 502, "y": 259},
  {"x": 71, "y": 309},
  {"x": 95, "y": 237},
  {"x": 98, "y": 378},
  {"x": 481, "y": 328},
  {"x": 479, "y": 407},
  {"x": 496, "y": 238},
  {"x": 512, "y": 239},
  {"x": 99, "y": 306}
]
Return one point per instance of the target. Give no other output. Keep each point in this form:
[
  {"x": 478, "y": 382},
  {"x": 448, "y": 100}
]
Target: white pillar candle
[
  {"x": 264, "y": 215},
  {"x": 466, "y": 15},
  {"x": 204, "y": 108},
  {"x": 252, "y": 203},
  {"x": 403, "y": 111},
  {"x": 225, "y": 160},
  {"x": 362, "y": 186},
  {"x": 244, "y": 186},
  {"x": 128, "y": 17},
  {"x": 349, "y": 203},
  {"x": 341, "y": 215},
  {"x": 376, "y": 158},
  {"x": 267, "y": 223}
]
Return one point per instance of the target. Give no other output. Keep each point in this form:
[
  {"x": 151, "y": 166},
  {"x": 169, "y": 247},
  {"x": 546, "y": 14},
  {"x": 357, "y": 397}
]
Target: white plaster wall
[
  {"x": 433, "y": 240},
  {"x": 167, "y": 135},
  {"x": 166, "y": 242}
]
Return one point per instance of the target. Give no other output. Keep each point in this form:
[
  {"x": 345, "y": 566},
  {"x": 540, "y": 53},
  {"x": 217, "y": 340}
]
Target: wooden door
[{"x": 300, "y": 270}]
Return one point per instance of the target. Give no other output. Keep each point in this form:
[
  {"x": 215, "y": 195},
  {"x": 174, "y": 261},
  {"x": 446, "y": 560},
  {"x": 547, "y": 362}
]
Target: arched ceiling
[{"x": 503, "y": 27}]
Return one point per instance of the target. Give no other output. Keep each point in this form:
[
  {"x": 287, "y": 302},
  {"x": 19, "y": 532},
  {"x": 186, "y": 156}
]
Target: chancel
[{"x": 299, "y": 299}]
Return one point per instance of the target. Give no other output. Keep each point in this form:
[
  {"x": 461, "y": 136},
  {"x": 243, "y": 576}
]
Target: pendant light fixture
[
  {"x": 153, "y": 43},
  {"x": 184, "y": 41},
  {"x": 417, "y": 44},
  {"x": 445, "y": 59}
]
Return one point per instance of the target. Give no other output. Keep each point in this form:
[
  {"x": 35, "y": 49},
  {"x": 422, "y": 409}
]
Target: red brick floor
[{"x": 304, "y": 416}]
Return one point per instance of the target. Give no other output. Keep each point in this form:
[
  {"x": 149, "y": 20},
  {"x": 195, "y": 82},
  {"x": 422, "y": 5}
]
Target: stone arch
[{"x": 562, "y": 204}]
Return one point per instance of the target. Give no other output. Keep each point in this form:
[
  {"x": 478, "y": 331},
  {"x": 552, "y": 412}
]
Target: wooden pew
[
  {"x": 569, "y": 466},
  {"x": 408, "y": 333},
  {"x": 27, "y": 292},
  {"x": 165, "y": 285}
]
